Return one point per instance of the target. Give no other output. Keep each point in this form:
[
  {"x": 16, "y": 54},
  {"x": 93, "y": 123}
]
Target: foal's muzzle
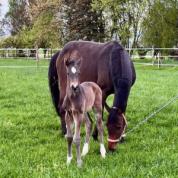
[{"x": 74, "y": 88}]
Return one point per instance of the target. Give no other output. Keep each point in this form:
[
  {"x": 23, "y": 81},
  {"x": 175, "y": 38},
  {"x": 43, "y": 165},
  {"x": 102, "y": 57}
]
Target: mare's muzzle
[
  {"x": 116, "y": 131},
  {"x": 112, "y": 144}
]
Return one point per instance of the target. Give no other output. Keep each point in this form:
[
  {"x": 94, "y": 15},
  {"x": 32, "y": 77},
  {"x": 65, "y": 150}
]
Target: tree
[
  {"x": 123, "y": 19},
  {"x": 161, "y": 24},
  {"x": 80, "y": 21},
  {"x": 17, "y": 16},
  {"x": 1, "y": 23},
  {"x": 45, "y": 23},
  {"x": 42, "y": 29}
]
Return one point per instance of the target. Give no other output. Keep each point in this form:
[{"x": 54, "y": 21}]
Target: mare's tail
[{"x": 53, "y": 82}]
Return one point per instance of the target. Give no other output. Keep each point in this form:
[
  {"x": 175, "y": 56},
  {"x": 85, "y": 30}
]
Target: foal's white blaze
[
  {"x": 69, "y": 159},
  {"x": 85, "y": 149},
  {"x": 102, "y": 150},
  {"x": 73, "y": 70}
]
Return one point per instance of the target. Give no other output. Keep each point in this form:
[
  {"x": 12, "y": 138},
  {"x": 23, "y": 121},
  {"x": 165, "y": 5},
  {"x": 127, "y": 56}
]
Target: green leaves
[
  {"x": 160, "y": 26},
  {"x": 80, "y": 21},
  {"x": 134, "y": 23},
  {"x": 35, "y": 24},
  {"x": 17, "y": 16},
  {"x": 123, "y": 19}
]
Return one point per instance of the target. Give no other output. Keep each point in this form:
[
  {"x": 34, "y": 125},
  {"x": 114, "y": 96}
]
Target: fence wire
[{"x": 170, "y": 101}]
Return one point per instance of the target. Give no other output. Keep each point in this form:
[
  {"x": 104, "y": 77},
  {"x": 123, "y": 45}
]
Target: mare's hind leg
[
  {"x": 104, "y": 97},
  {"x": 69, "y": 123},
  {"x": 88, "y": 128},
  {"x": 99, "y": 123},
  {"x": 95, "y": 131}
]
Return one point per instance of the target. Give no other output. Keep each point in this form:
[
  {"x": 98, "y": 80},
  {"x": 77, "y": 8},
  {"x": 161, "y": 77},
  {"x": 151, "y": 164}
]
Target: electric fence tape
[{"x": 152, "y": 114}]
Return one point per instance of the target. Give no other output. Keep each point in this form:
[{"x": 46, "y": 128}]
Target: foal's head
[{"x": 73, "y": 72}]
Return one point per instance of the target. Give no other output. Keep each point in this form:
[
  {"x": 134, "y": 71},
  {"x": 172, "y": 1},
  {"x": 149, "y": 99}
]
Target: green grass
[
  {"x": 23, "y": 62},
  {"x": 31, "y": 145}
]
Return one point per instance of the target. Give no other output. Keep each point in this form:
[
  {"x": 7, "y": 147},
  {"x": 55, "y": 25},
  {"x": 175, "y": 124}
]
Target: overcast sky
[
  {"x": 4, "y": 7},
  {"x": 3, "y": 10}
]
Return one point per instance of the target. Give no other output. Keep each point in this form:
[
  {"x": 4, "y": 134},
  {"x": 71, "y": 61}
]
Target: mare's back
[
  {"x": 94, "y": 66},
  {"x": 92, "y": 93},
  {"x": 95, "y": 58}
]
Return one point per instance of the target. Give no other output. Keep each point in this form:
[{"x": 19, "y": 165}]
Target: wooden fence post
[
  {"x": 37, "y": 56},
  {"x": 159, "y": 60}
]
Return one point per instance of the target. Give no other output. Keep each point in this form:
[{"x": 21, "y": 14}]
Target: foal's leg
[
  {"x": 69, "y": 123},
  {"x": 99, "y": 123},
  {"x": 88, "y": 129},
  {"x": 77, "y": 120}
]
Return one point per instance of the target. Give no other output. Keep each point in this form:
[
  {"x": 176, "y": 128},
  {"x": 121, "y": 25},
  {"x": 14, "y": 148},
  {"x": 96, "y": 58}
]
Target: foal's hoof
[
  {"x": 85, "y": 149},
  {"x": 102, "y": 151},
  {"x": 79, "y": 163},
  {"x": 69, "y": 159}
]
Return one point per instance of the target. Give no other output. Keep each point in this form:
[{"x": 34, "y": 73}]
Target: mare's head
[
  {"x": 116, "y": 126},
  {"x": 73, "y": 72}
]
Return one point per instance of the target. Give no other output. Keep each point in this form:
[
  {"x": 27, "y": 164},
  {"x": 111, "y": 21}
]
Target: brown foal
[{"x": 80, "y": 99}]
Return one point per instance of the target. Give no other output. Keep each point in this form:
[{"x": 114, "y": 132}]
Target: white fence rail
[
  {"x": 136, "y": 53},
  {"x": 27, "y": 53}
]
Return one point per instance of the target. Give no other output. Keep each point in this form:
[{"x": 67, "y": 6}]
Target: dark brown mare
[
  {"x": 81, "y": 98},
  {"x": 108, "y": 65}
]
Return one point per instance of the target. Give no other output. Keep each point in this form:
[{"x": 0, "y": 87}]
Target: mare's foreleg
[
  {"x": 104, "y": 97},
  {"x": 88, "y": 128},
  {"x": 77, "y": 120},
  {"x": 99, "y": 124},
  {"x": 69, "y": 123}
]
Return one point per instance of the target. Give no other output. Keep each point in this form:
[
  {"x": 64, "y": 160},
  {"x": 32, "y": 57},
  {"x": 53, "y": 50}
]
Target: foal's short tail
[{"x": 53, "y": 82}]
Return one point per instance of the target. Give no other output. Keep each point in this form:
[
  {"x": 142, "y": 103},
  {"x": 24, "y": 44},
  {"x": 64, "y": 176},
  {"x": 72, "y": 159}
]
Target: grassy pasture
[{"x": 30, "y": 141}]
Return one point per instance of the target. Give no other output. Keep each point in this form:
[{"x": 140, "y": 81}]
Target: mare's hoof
[
  {"x": 85, "y": 149},
  {"x": 102, "y": 151}
]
